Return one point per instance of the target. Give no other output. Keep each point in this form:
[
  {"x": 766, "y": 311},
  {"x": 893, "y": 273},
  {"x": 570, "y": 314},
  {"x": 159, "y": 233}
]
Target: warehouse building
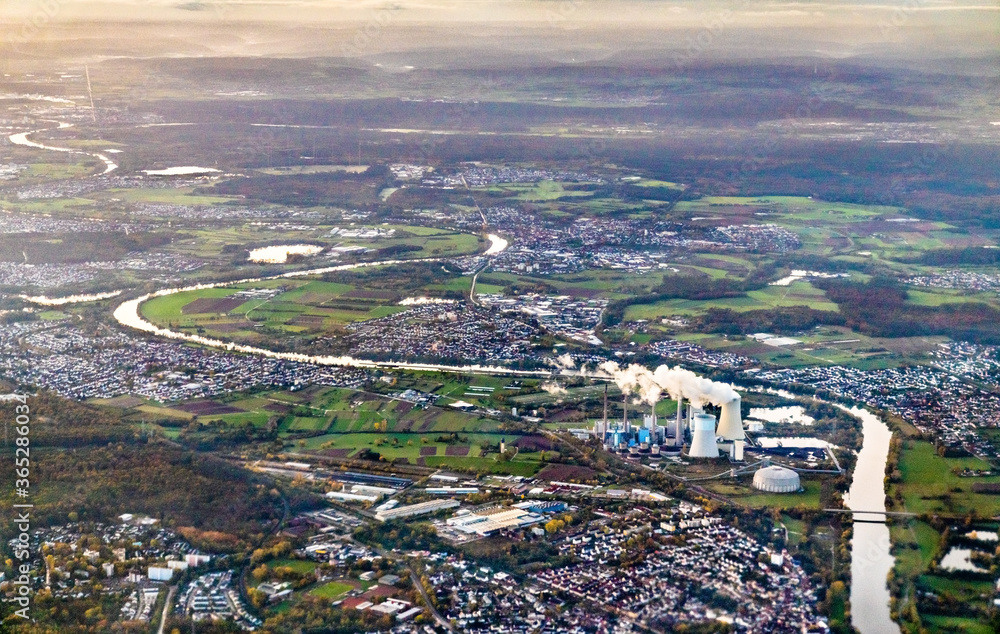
[{"x": 415, "y": 509}]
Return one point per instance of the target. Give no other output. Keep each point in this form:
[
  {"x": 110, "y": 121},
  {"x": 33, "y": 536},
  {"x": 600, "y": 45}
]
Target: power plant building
[
  {"x": 691, "y": 426},
  {"x": 706, "y": 439}
]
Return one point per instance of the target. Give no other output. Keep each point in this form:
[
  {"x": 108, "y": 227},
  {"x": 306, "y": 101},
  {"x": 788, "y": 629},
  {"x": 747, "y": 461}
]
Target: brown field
[
  {"x": 428, "y": 451},
  {"x": 336, "y": 453},
  {"x": 456, "y": 450},
  {"x": 533, "y": 443},
  {"x": 308, "y": 320},
  {"x": 565, "y": 472},
  {"x": 207, "y": 408},
  {"x": 212, "y": 305}
]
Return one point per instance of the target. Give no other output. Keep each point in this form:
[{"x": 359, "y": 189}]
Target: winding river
[
  {"x": 21, "y": 138},
  {"x": 871, "y": 554},
  {"x": 871, "y": 558},
  {"x": 128, "y": 314},
  {"x": 45, "y": 300}
]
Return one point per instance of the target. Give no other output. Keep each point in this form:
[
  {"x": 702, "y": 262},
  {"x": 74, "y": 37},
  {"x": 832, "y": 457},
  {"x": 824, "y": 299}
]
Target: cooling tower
[
  {"x": 703, "y": 440},
  {"x": 730, "y": 423}
]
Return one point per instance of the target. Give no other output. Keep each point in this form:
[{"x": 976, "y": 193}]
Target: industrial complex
[
  {"x": 692, "y": 427},
  {"x": 693, "y": 433}
]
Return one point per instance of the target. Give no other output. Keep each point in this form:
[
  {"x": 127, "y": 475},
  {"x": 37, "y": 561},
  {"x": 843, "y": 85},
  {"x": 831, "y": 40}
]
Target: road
[
  {"x": 166, "y": 608},
  {"x": 416, "y": 583},
  {"x": 427, "y": 601}
]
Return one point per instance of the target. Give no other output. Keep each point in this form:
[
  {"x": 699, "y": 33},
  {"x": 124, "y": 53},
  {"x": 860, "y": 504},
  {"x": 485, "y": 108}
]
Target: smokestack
[
  {"x": 730, "y": 421},
  {"x": 625, "y": 412},
  {"x": 703, "y": 443},
  {"x": 605, "y": 405},
  {"x": 693, "y": 410},
  {"x": 652, "y": 430},
  {"x": 679, "y": 425}
]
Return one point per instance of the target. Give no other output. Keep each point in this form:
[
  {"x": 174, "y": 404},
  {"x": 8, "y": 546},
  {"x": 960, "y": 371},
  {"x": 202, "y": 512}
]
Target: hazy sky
[{"x": 275, "y": 27}]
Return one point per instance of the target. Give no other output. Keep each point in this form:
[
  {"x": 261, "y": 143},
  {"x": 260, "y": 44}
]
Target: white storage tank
[{"x": 776, "y": 479}]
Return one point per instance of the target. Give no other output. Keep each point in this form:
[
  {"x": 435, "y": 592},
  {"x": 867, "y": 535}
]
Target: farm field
[
  {"x": 309, "y": 306},
  {"x": 341, "y": 423},
  {"x": 930, "y": 483}
]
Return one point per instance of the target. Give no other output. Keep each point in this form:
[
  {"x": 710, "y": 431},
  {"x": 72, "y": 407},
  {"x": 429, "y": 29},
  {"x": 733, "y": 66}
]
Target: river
[
  {"x": 44, "y": 300},
  {"x": 128, "y": 314},
  {"x": 21, "y": 138},
  {"x": 871, "y": 555},
  {"x": 871, "y": 558}
]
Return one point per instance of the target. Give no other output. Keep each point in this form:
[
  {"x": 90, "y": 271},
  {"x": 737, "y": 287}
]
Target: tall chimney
[
  {"x": 652, "y": 429},
  {"x": 679, "y": 425},
  {"x": 625, "y": 412}
]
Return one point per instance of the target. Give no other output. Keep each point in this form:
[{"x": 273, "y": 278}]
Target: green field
[
  {"x": 744, "y": 494},
  {"x": 331, "y": 590},
  {"x": 956, "y": 625},
  {"x": 343, "y": 422},
  {"x": 541, "y": 191},
  {"x": 915, "y": 544},
  {"x": 298, "y": 565},
  {"x": 930, "y": 485},
  {"x": 795, "y": 294}
]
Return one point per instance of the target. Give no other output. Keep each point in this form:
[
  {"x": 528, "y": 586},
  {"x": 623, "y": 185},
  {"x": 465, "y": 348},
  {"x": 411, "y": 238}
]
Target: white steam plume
[
  {"x": 553, "y": 388},
  {"x": 566, "y": 361},
  {"x": 677, "y": 382}
]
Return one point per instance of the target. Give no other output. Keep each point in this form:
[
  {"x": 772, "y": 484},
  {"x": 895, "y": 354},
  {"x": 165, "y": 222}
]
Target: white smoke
[
  {"x": 553, "y": 388},
  {"x": 677, "y": 382},
  {"x": 566, "y": 361}
]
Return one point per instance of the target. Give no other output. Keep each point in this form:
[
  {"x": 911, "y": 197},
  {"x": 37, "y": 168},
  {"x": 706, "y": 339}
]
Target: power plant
[
  {"x": 704, "y": 436},
  {"x": 693, "y": 427}
]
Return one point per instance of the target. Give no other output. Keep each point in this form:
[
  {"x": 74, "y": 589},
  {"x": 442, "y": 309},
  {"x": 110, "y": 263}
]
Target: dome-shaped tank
[{"x": 776, "y": 479}]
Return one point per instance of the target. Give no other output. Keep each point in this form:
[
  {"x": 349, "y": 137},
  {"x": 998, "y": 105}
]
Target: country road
[{"x": 166, "y": 608}]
